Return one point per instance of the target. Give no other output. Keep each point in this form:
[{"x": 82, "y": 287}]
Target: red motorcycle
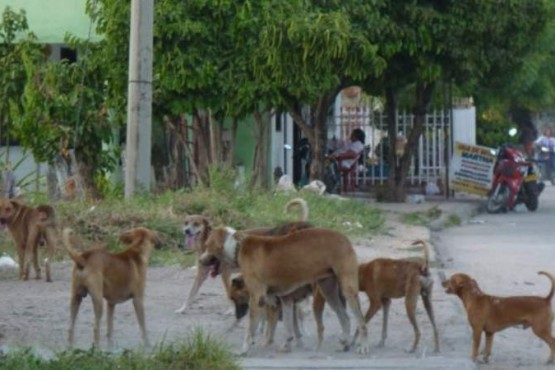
[{"x": 515, "y": 180}]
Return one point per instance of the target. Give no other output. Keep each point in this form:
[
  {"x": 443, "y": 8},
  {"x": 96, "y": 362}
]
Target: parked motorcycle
[
  {"x": 515, "y": 180},
  {"x": 545, "y": 160}
]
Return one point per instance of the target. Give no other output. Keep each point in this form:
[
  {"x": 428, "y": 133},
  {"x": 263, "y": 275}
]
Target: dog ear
[{"x": 127, "y": 237}]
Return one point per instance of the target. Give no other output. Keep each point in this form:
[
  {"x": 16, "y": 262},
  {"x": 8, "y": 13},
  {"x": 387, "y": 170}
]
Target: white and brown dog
[
  {"x": 196, "y": 230},
  {"x": 276, "y": 266}
]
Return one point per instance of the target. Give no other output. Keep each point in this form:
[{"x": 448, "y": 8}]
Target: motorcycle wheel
[
  {"x": 498, "y": 203},
  {"x": 531, "y": 198}
]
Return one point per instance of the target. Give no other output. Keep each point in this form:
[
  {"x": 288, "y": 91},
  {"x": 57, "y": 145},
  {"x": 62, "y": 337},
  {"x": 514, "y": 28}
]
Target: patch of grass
[
  {"x": 453, "y": 220},
  {"x": 200, "y": 351},
  {"x": 421, "y": 218},
  {"x": 101, "y": 223}
]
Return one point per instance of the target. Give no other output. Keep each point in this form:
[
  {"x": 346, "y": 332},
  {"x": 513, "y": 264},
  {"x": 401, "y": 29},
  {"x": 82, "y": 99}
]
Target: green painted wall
[{"x": 50, "y": 20}]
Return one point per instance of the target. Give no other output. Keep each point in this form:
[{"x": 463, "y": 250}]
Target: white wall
[
  {"x": 27, "y": 170},
  {"x": 280, "y": 156},
  {"x": 464, "y": 125}
]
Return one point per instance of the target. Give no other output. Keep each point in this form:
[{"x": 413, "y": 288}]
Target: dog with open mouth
[
  {"x": 196, "y": 230},
  {"x": 273, "y": 267}
]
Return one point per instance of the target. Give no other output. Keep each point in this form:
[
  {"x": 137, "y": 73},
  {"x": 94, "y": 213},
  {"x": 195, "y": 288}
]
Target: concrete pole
[{"x": 139, "y": 104}]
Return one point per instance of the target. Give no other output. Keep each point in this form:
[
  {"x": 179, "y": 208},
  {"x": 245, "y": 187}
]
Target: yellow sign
[{"x": 471, "y": 168}]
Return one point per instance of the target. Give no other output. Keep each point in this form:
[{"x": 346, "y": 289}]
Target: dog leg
[
  {"x": 427, "y": 300},
  {"x": 331, "y": 293},
  {"x": 318, "y": 304},
  {"x": 32, "y": 246},
  {"x": 288, "y": 311},
  {"x": 272, "y": 317},
  {"x": 489, "y": 343},
  {"x": 202, "y": 275},
  {"x": 140, "y": 312},
  {"x": 410, "y": 304},
  {"x": 21, "y": 259},
  {"x": 50, "y": 249},
  {"x": 544, "y": 332},
  {"x": 297, "y": 319},
  {"x": 97, "y": 306},
  {"x": 348, "y": 281},
  {"x": 254, "y": 316},
  {"x": 74, "y": 309},
  {"x": 110, "y": 324},
  {"x": 386, "y": 303},
  {"x": 476, "y": 337}
]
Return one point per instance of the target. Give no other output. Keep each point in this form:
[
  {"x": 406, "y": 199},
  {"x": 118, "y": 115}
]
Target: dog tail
[
  {"x": 426, "y": 252},
  {"x": 302, "y": 204},
  {"x": 75, "y": 256},
  {"x": 552, "y": 278}
]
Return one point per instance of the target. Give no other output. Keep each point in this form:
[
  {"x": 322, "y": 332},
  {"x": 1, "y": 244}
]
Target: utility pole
[{"x": 139, "y": 103}]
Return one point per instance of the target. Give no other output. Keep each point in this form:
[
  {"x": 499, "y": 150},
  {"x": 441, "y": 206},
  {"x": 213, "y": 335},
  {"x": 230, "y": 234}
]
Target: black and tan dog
[
  {"x": 489, "y": 314},
  {"x": 278, "y": 266},
  {"x": 115, "y": 277},
  {"x": 196, "y": 230}
]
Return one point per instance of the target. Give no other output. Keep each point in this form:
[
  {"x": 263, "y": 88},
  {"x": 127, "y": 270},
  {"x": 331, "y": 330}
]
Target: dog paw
[
  {"x": 181, "y": 309},
  {"x": 363, "y": 349}
]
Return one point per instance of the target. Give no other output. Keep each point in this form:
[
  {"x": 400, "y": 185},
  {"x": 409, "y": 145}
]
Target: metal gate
[{"x": 429, "y": 163}]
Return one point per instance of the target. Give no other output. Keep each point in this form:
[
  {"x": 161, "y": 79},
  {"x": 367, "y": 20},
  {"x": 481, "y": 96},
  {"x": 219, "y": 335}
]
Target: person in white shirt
[
  {"x": 348, "y": 154},
  {"x": 546, "y": 140}
]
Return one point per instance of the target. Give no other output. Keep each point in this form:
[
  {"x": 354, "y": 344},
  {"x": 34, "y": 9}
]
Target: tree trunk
[
  {"x": 397, "y": 180},
  {"x": 202, "y": 151},
  {"x": 528, "y": 131},
  {"x": 260, "y": 158}
]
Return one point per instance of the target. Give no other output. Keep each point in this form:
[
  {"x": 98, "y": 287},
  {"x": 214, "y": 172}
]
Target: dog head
[
  {"x": 140, "y": 236},
  {"x": 220, "y": 246},
  {"x": 457, "y": 283},
  {"x": 240, "y": 296},
  {"x": 195, "y": 230},
  {"x": 8, "y": 210}
]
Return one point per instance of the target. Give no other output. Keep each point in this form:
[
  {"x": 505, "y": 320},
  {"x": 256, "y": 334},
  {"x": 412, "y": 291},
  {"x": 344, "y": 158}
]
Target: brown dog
[
  {"x": 114, "y": 277},
  {"x": 197, "y": 229},
  {"x": 383, "y": 279},
  {"x": 490, "y": 314},
  {"x": 277, "y": 266},
  {"x": 28, "y": 226}
]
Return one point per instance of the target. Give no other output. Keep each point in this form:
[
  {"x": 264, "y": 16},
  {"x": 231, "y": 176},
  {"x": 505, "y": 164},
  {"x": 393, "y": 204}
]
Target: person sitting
[{"x": 350, "y": 153}]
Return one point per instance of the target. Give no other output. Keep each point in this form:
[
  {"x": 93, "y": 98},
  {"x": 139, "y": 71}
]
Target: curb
[{"x": 430, "y": 363}]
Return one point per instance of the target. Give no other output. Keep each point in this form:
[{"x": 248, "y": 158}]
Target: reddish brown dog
[
  {"x": 490, "y": 314},
  {"x": 28, "y": 226},
  {"x": 383, "y": 279},
  {"x": 115, "y": 277}
]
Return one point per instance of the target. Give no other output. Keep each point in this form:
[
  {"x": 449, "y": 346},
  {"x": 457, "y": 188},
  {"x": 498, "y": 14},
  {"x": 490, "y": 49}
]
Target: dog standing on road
[
  {"x": 490, "y": 314},
  {"x": 28, "y": 226},
  {"x": 383, "y": 279},
  {"x": 115, "y": 277},
  {"x": 277, "y": 266},
  {"x": 196, "y": 230}
]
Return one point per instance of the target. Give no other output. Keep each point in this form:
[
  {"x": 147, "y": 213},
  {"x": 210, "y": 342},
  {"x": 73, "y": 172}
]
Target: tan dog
[
  {"x": 115, "y": 277},
  {"x": 28, "y": 226},
  {"x": 490, "y": 314},
  {"x": 197, "y": 229},
  {"x": 277, "y": 266},
  {"x": 383, "y": 279}
]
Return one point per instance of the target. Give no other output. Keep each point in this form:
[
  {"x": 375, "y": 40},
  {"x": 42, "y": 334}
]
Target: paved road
[{"x": 503, "y": 253}]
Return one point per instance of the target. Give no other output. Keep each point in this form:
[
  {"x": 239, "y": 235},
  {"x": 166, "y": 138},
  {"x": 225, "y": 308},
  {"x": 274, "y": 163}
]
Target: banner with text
[{"x": 471, "y": 168}]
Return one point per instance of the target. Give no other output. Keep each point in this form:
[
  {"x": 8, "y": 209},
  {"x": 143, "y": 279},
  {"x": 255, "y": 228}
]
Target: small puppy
[
  {"x": 29, "y": 226},
  {"x": 383, "y": 279},
  {"x": 197, "y": 229},
  {"x": 490, "y": 314},
  {"x": 115, "y": 277}
]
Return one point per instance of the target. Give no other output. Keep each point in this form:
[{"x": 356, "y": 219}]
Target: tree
[{"x": 467, "y": 43}]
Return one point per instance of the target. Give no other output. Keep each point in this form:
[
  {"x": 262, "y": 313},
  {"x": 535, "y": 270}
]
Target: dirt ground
[{"x": 36, "y": 313}]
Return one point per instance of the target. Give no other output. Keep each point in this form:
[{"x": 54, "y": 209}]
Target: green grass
[
  {"x": 102, "y": 222},
  {"x": 421, "y": 218},
  {"x": 199, "y": 352}
]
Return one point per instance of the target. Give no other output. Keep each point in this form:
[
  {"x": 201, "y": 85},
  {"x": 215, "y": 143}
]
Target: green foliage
[
  {"x": 493, "y": 128},
  {"x": 199, "y": 351}
]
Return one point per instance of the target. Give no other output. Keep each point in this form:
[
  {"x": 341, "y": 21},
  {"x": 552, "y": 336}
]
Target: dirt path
[{"x": 36, "y": 313}]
